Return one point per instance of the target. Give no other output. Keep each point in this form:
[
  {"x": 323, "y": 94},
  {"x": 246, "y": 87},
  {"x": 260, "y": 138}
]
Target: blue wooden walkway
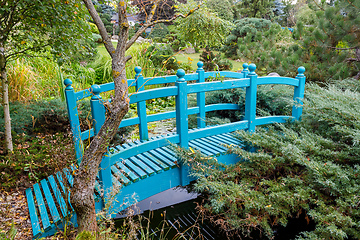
[{"x": 149, "y": 166}]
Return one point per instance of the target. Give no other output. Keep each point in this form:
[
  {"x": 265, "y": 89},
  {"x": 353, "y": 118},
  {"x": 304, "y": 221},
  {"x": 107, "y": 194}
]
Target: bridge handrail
[{"x": 247, "y": 79}]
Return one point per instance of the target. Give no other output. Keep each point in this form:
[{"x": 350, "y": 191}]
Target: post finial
[
  {"x": 245, "y": 66},
  {"x": 252, "y": 68},
  {"x": 180, "y": 74},
  {"x": 138, "y": 69},
  {"x": 67, "y": 83},
  {"x": 200, "y": 65},
  {"x": 301, "y": 71},
  {"x": 96, "y": 89}
]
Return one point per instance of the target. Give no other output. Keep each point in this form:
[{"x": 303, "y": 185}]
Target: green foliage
[
  {"x": 159, "y": 31},
  {"x": 268, "y": 101},
  {"x": 214, "y": 62},
  {"x": 9, "y": 235},
  {"x": 255, "y": 9},
  {"x": 242, "y": 29},
  {"x": 306, "y": 15},
  {"x": 46, "y": 24},
  {"x": 222, "y": 8},
  {"x": 202, "y": 27},
  {"x": 315, "y": 47},
  {"x": 309, "y": 167},
  {"x": 162, "y": 56}
]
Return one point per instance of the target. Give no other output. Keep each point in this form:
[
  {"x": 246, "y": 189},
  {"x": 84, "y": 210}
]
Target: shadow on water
[{"x": 174, "y": 211}]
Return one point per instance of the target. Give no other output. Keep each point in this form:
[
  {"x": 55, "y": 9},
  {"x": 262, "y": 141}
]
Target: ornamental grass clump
[{"x": 308, "y": 168}]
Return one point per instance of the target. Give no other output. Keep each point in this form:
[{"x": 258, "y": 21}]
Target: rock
[
  {"x": 274, "y": 74},
  {"x": 189, "y": 50}
]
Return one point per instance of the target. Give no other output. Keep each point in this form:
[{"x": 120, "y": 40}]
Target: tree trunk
[{"x": 5, "y": 98}]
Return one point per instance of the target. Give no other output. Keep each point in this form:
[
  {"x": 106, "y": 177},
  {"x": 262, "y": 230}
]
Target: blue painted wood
[
  {"x": 200, "y": 97},
  {"x": 35, "y": 224},
  {"x": 299, "y": 94},
  {"x": 59, "y": 198},
  {"x": 120, "y": 176},
  {"x": 225, "y": 74},
  {"x": 97, "y": 108},
  {"x": 250, "y": 99},
  {"x": 50, "y": 201},
  {"x": 141, "y": 106},
  {"x": 272, "y": 120},
  {"x": 221, "y": 106},
  {"x": 42, "y": 208},
  {"x": 74, "y": 119},
  {"x": 105, "y": 172},
  {"x": 277, "y": 80},
  {"x": 182, "y": 120},
  {"x": 218, "y": 85},
  {"x": 153, "y": 93},
  {"x": 245, "y": 70}
]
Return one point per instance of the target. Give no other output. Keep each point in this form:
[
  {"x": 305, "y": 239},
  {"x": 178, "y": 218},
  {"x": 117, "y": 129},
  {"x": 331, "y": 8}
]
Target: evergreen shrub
[
  {"x": 308, "y": 168},
  {"x": 162, "y": 57}
]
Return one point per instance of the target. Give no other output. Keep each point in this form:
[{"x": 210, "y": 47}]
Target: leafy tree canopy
[
  {"x": 37, "y": 26},
  {"x": 203, "y": 27},
  {"x": 255, "y": 8},
  {"x": 222, "y": 7}
]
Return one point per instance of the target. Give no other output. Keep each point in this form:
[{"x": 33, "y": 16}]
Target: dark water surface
[{"x": 174, "y": 212}]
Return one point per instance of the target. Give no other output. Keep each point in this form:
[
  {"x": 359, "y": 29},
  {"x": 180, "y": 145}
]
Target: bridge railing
[{"x": 247, "y": 79}]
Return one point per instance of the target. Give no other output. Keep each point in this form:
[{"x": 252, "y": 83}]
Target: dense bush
[
  {"x": 159, "y": 31},
  {"x": 162, "y": 56},
  {"x": 308, "y": 168},
  {"x": 242, "y": 28},
  {"x": 214, "y": 62}
]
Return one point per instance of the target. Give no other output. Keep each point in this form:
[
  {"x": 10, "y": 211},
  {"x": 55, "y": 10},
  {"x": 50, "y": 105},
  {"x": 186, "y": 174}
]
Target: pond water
[{"x": 174, "y": 212}]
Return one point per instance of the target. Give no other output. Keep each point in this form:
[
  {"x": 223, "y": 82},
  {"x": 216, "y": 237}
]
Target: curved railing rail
[{"x": 247, "y": 79}]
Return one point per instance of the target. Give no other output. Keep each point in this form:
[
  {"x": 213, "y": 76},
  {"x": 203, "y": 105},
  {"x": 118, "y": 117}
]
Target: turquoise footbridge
[{"x": 149, "y": 166}]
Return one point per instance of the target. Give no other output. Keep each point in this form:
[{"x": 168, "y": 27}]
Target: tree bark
[{"x": 5, "y": 98}]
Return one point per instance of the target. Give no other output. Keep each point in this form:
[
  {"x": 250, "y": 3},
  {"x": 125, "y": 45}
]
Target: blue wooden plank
[
  {"x": 278, "y": 80},
  {"x": 42, "y": 208},
  {"x": 133, "y": 177},
  {"x": 221, "y": 106},
  {"x": 50, "y": 201},
  {"x": 135, "y": 168},
  {"x": 153, "y": 93},
  {"x": 165, "y": 159},
  {"x": 142, "y": 165},
  {"x": 272, "y": 119},
  {"x": 230, "y": 136},
  {"x": 226, "y": 74},
  {"x": 69, "y": 177},
  {"x": 223, "y": 141},
  {"x": 164, "y": 163},
  {"x": 59, "y": 198},
  {"x": 202, "y": 150},
  {"x": 218, "y": 85},
  {"x": 66, "y": 190},
  {"x": 206, "y": 142},
  {"x": 35, "y": 224},
  {"x": 156, "y": 165},
  {"x": 203, "y": 145},
  {"x": 215, "y": 143},
  {"x": 120, "y": 176},
  {"x": 227, "y": 139}
]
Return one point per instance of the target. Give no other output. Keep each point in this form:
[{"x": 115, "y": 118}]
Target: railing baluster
[
  {"x": 250, "y": 99},
  {"x": 97, "y": 108},
  {"x": 74, "y": 119},
  {"x": 182, "y": 120},
  {"x": 98, "y": 113},
  {"x": 299, "y": 94},
  {"x": 200, "y": 97},
  {"x": 141, "y": 106},
  {"x": 245, "y": 70}
]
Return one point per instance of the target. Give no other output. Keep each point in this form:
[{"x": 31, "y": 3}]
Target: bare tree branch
[
  {"x": 102, "y": 30},
  {"x": 151, "y": 23}
]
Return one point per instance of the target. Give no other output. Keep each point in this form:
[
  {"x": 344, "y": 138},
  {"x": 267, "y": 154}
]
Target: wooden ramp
[{"x": 144, "y": 174}]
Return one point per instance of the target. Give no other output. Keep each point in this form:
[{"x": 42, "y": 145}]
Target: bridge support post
[
  {"x": 98, "y": 113},
  {"x": 182, "y": 121},
  {"x": 141, "y": 106},
  {"x": 74, "y": 119},
  {"x": 299, "y": 94},
  {"x": 200, "y": 97},
  {"x": 250, "y": 99},
  {"x": 245, "y": 70}
]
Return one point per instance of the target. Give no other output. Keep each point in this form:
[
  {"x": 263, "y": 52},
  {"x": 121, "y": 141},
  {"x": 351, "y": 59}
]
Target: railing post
[
  {"x": 250, "y": 99},
  {"x": 141, "y": 106},
  {"x": 200, "y": 97},
  {"x": 98, "y": 113},
  {"x": 74, "y": 119},
  {"x": 299, "y": 94},
  {"x": 245, "y": 70},
  {"x": 97, "y": 109},
  {"x": 182, "y": 120}
]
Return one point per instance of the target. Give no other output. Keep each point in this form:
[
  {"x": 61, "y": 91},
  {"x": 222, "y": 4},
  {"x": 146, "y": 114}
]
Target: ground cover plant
[{"x": 308, "y": 168}]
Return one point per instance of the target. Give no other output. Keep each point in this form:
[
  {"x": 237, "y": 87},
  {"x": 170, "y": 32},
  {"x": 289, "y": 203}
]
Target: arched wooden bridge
[{"x": 149, "y": 166}]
